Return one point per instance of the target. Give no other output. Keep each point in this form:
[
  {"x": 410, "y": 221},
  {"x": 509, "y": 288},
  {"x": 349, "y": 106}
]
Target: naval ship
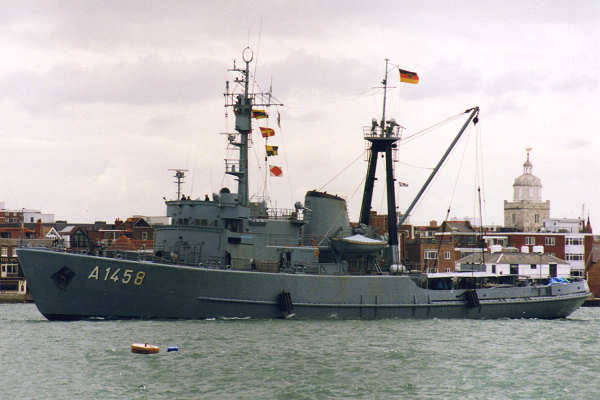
[{"x": 226, "y": 256}]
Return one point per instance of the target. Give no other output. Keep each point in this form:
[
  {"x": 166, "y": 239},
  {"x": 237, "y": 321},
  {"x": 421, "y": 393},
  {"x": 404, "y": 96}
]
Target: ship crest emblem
[{"x": 62, "y": 277}]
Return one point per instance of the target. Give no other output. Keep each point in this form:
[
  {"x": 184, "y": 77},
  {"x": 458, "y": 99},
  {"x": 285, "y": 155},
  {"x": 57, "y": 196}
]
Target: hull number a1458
[{"x": 126, "y": 276}]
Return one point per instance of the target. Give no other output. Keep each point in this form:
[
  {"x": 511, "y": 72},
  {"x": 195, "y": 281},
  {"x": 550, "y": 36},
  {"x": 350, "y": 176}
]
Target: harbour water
[{"x": 288, "y": 359}]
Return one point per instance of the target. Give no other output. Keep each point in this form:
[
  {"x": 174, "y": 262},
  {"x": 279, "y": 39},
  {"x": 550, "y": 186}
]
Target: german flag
[
  {"x": 275, "y": 170},
  {"x": 408, "y": 77},
  {"x": 259, "y": 114},
  {"x": 267, "y": 132},
  {"x": 271, "y": 150}
]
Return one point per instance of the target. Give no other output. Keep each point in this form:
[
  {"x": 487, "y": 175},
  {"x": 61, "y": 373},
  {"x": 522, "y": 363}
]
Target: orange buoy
[{"x": 144, "y": 348}]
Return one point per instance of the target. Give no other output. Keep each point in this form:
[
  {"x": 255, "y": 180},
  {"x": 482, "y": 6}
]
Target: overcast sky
[{"x": 99, "y": 99}]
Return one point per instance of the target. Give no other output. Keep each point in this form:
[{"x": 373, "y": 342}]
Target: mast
[
  {"x": 179, "y": 175},
  {"x": 382, "y": 138},
  {"x": 384, "y": 82},
  {"x": 242, "y": 107}
]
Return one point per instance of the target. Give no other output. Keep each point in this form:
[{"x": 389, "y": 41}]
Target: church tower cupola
[
  {"x": 527, "y": 210},
  {"x": 527, "y": 187}
]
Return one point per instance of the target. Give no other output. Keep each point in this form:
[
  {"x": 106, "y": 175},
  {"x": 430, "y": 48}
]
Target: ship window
[{"x": 203, "y": 222}]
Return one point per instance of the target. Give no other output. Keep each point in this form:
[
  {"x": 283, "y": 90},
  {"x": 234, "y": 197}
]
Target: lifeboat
[
  {"x": 144, "y": 348},
  {"x": 358, "y": 244}
]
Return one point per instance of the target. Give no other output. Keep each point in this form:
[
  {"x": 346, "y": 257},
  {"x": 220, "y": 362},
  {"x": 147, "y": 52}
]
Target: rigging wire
[
  {"x": 426, "y": 130},
  {"x": 460, "y": 166},
  {"x": 414, "y": 166},
  {"x": 257, "y": 53},
  {"x": 285, "y": 159},
  {"x": 342, "y": 171},
  {"x": 481, "y": 166}
]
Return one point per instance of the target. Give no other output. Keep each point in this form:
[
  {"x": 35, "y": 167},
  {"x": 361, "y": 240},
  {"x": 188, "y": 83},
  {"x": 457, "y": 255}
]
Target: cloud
[
  {"x": 149, "y": 80},
  {"x": 578, "y": 144},
  {"x": 574, "y": 82},
  {"x": 305, "y": 72}
]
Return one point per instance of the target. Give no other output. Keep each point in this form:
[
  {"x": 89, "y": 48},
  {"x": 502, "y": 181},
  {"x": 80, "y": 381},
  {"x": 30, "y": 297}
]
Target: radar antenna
[{"x": 179, "y": 175}]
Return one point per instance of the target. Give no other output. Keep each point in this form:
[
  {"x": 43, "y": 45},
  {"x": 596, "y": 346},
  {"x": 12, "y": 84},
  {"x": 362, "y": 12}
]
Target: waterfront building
[
  {"x": 565, "y": 225},
  {"x": 504, "y": 261},
  {"x": 13, "y": 287},
  {"x": 436, "y": 248},
  {"x": 575, "y": 248},
  {"x": 527, "y": 210}
]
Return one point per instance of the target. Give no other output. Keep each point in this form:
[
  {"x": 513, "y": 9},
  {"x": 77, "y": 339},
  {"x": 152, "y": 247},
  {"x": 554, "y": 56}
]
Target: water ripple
[{"x": 288, "y": 359}]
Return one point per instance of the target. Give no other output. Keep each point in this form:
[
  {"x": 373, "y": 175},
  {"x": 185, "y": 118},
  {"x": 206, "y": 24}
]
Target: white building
[
  {"x": 513, "y": 262},
  {"x": 563, "y": 225},
  {"x": 575, "y": 252},
  {"x": 32, "y": 216}
]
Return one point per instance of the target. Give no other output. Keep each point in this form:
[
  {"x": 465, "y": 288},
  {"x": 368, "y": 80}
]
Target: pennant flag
[
  {"x": 275, "y": 170},
  {"x": 408, "y": 77},
  {"x": 271, "y": 150},
  {"x": 267, "y": 132},
  {"x": 278, "y": 120},
  {"x": 259, "y": 114}
]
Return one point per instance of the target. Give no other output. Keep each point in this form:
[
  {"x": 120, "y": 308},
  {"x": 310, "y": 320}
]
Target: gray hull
[{"x": 68, "y": 286}]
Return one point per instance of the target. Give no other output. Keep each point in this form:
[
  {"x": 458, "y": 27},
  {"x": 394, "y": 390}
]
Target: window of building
[
  {"x": 574, "y": 241},
  {"x": 574, "y": 257},
  {"x": 144, "y": 235},
  {"x": 530, "y": 240},
  {"x": 4, "y": 252},
  {"x": 493, "y": 269},
  {"x": 550, "y": 241},
  {"x": 447, "y": 256},
  {"x": 448, "y": 270},
  {"x": 533, "y": 266},
  {"x": 514, "y": 217},
  {"x": 430, "y": 254},
  {"x": 537, "y": 218}
]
